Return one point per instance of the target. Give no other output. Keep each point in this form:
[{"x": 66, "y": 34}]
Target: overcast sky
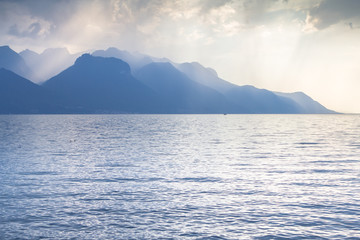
[{"x": 295, "y": 45}]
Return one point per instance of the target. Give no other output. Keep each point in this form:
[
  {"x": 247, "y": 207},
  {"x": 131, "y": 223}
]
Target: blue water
[{"x": 180, "y": 177}]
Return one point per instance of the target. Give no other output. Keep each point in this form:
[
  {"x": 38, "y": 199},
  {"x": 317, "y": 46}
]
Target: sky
[{"x": 280, "y": 45}]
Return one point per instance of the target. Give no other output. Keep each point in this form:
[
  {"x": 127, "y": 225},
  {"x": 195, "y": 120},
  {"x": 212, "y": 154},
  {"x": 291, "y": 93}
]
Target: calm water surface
[{"x": 180, "y": 177}]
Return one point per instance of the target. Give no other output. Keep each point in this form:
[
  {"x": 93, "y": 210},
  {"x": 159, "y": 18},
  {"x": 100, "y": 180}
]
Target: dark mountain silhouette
[
  {"x": 181, "y": 93},
  {"x": 96, "y": 84},
  {"x": 49, "y": 63},
  {"x": 12, "y": 61},
  {"x": 242, "y": 99},
  {"x": 135, "y": 61},
  {"x": 19, "y": 95}
]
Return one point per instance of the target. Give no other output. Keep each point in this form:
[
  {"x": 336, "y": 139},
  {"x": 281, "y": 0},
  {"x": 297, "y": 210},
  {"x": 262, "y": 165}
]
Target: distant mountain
[
  {"x": 19, "y": 95},
  {"x": 49, "y": 63},
  {"x": 307, "y": 104},
  {"x": 241, "y": 99},
  {"x": 29, "y": 55},
  {"x": 115, "y": 81},
  {"x": 103, "y": 85},
  {"x": 249, "y": 99},
  {"x": 254, "y": 100},
  {"x": 182, "y": 94},
  {"x": 204, "y": 76},
  {"x": 135, "y": 60},
  {"x": 12, "y": 61}
]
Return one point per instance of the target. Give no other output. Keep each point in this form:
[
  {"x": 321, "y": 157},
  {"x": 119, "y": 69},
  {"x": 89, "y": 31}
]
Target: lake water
[{"x": 180, "y": 176}]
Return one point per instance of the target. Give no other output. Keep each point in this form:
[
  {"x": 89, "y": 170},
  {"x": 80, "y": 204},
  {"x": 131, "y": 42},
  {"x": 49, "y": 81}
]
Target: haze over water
[{"x": 179, "y": 176}]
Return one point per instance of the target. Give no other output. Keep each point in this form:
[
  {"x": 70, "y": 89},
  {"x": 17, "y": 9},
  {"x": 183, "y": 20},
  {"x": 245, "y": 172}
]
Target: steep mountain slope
[
  {"x": 19, "y": 95},
  {"x": 254, "y": 100},
  {"x": 204, "y": 76},
  {"x": 247, "y": 99},
  {"x": 97, "y": 85},
  {"x": 181, "y": 93},
  {"x": 12, "y": 61},
  {"x": 250, "y": 99},
  {"x": 307, "y": 103}
]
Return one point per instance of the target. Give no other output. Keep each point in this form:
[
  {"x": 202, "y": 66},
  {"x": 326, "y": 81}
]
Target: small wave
[
  {"x": 190, "y": 234},
  {"x": 212, "y": 238},
  {"x": 285, "y": 237},
  {"x": 354, "y": 145},
  {"x": 39, "y": 173},
  {"x": 199, "y": 179},
  {"x": 117, "y": 225},
  {"x": 94, "y": 199},
  {"x": 308, "y": 143},
  {"x": 327, "y": 170},
  {"x": 59, "y": 154},
  {"x": 114, "y": 165}
]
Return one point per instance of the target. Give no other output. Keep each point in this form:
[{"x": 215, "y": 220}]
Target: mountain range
[{"x": 115, "y": 81}]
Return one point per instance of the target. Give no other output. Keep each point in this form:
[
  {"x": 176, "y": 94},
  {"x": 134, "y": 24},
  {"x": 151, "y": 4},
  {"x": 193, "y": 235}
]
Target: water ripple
[{"x": 179, "y": 177}]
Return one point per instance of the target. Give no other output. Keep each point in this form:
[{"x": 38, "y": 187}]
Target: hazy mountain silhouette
[
  {"x": 241, "y": 99},
  {"x": 12, "y": 61},
  {"x": 19, "y": 95},
  {"x": 97, "y": 84},
  {"x": 181, "y": 93},
  {"x": 204, "y": 76},
  {"x": 254, "y": 100},
  {"x": 249, "y": 99},
  {"x": 307, "y": 104},
  {"x": 106, "y": 84},
  {"x": 135, "y": 60},
  {"x": 49, "y": 63}
]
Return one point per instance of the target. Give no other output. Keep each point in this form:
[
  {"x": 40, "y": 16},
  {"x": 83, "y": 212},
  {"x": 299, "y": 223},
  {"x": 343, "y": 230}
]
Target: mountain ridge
[{"x": 103, "y": 82}]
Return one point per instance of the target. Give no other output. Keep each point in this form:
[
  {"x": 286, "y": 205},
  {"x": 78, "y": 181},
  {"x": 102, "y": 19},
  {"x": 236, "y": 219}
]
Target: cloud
[
  {"x": 331, "y": 12},
  {"x": 34, "y": 30},
  {"x": 143, "y": 24},
  {"x": 207, "y": 6}
]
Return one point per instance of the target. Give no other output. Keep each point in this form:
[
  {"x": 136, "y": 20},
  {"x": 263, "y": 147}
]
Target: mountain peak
[
  {"x": 28, "y": 54},
  {"x": 5, "y": 47},
  {"x": 83, "y": 57},
  {"x": 6, "y": 50},
  {"x": 90, "y": 60},
  {"x": 11, "y": 60}
]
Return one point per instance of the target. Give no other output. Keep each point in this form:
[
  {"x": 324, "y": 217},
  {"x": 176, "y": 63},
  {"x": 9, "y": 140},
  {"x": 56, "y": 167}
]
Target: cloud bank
[{"x": 144, "y": 23}]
